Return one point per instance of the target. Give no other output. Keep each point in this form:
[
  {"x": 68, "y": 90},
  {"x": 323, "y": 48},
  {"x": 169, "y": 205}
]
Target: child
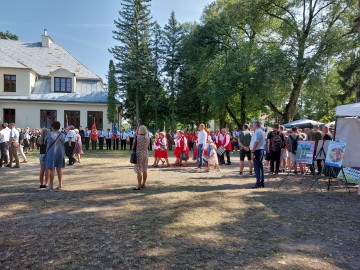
[{"x": 213, "y": 158}]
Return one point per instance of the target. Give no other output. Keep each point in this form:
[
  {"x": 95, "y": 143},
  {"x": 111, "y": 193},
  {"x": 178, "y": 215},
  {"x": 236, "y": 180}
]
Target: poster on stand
[
  {"x": 305, "y": 152},
  {"x": 352, "y": 174},
  {"x": 335, "y": 154}
]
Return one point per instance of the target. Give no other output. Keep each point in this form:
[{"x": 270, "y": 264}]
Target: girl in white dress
[{"x": 213, "y": 158}]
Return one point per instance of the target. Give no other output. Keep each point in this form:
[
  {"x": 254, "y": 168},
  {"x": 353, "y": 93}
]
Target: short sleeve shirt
[
  {"x": 245, "y": 137},
  {"x": 259, "y": 136}
]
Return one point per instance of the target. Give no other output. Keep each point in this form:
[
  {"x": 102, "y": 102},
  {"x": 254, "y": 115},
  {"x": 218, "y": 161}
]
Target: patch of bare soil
[{"x": 182, "y": 220}]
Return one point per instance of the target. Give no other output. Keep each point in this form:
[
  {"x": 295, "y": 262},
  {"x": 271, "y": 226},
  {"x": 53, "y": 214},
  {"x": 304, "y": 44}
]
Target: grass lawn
[{"x": 182, "y": 220}]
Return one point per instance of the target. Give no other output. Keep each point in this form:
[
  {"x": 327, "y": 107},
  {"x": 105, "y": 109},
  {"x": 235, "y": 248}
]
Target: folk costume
[
  {"x": 163, "y": 152},
  {"x": 226, "y": 143}
]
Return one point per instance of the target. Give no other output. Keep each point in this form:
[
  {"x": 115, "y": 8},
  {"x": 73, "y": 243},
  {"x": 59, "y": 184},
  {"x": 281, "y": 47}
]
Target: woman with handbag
[
  {"x": 55, "y": 154},
  {"x": 141, "y": 145}
]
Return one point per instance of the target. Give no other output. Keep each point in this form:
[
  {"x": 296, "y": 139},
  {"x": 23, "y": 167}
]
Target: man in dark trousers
[
  {"x": 131, "y": 137},
  {"x": 70, "y": 141},
  {"x": 123, "y": 136},
  {"x": 82, "y": 134},
  {"x": 87, "y": 138},
  {"x": 108, "y": 136},
  {"x": 101, "y": 139},
  {"x": 275, "y": 144}
]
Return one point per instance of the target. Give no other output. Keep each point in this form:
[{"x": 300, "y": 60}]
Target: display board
[
  {"x": 352, "y": 175},
  {"x": 335, "y": 154},
  {"x": 348, "y": 130},
  {"x": 305, "y": 152}
]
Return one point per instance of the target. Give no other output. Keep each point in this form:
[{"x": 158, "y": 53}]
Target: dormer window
[{"x": 62, "y": 85}]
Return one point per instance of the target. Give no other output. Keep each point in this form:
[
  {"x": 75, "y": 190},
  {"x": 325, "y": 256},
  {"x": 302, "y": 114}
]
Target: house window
[
  {"x": 73, "y": 118},
  {"x": 62, "y": 85},
  {"x": 9, "y": 115},
  {"x": 9, "y": 83},
  {"x": 96, "y": 116},
  {"x": 47, "y": 117}
]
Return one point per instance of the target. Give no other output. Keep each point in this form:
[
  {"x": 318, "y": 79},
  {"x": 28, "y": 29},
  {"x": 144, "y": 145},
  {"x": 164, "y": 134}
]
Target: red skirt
[
  {"x": 163, "y": 153},
  {"x": 177, "y": 152},
  {"x": 156, "y": 153}
]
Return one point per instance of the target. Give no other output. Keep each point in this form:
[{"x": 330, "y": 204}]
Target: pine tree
[
  {"x": 134, "y": 64},
  {"x": 112, "y": 92},
  {"x": 173, "y": 33}
]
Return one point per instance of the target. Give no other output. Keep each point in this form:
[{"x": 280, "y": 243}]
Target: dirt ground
[{"x": 182, "y": 220}]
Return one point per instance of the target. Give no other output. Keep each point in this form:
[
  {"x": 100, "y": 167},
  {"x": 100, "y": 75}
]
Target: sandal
[{"x": 137, "y": 188}]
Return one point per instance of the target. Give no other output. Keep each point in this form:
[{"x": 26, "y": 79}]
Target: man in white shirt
[
  {"x": 69, "y": 145},
  {"x": 14, "y": 146},
  {"x": 101, "y": 135},
  {"x": 4, "y": 142},
  {"x": 131, "y": 137},
  {"x": 150, "y": 135},
  {"x": 108, "y": 136},
  {"x": 123, "y": 136},
  {"x": 257, "y": 153},
  {"x": 202, "y": 137}
]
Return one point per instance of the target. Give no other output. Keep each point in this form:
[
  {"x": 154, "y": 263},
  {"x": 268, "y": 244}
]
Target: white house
[{"x": 41, "y": 82}]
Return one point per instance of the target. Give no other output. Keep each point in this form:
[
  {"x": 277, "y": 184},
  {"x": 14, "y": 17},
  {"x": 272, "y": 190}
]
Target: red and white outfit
[
  {"x": 184, "y": 146},
  {"x": 177, "y": 151},
  {"x": 163, "y": 152},
  {"x": 156, "y": 147},
  {"x": 226, "y": 142},
  {"x": 219, "y": 139}
]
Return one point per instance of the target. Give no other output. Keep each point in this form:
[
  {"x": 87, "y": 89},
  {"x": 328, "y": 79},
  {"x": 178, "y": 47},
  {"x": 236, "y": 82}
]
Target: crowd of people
[{"x": 207, "y": 147}]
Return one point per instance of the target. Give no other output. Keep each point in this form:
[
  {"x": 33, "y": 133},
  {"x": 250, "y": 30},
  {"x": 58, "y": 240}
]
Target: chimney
[{"x": 46, "y": 40}]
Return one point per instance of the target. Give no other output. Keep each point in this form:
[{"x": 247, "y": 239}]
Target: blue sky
[{"x": 84, "y": 27}]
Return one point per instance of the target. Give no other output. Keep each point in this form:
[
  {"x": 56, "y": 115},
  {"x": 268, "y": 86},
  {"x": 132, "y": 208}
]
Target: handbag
[
  {"x": 133, "y": 157},
  {"x": 183, "y": 156},
  {"x": 220, "y": 150}
]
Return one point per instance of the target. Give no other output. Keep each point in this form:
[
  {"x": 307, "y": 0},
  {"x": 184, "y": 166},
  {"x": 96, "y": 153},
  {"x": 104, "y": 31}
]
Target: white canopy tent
[
  {"x": 348, "y": 110},
  {"x": 347, "y": 129}
]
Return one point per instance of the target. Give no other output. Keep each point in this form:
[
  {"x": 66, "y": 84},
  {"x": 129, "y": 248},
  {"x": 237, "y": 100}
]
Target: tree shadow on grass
[{"x": 180, "y": 226}]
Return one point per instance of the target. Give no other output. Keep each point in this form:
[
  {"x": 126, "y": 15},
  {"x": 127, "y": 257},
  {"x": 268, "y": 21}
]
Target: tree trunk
[
  {"x": 242, "y": 111},
  {"x": 137, "y": 108},
  {"x": 232, "y": 115},
  {"x": 290, "y": 108}
]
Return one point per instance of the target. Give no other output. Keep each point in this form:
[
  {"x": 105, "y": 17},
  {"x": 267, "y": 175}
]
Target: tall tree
[
  {"x": 173, "y": 32},
  {"x": 8, "y": 35},
  {"x": 112, "y": 92},
  {"x": 134, "y": 65},
  {"x": 310, "y": 32}
]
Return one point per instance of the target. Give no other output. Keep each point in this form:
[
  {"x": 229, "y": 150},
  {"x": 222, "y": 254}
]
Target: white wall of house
[
  {"x": 27, "y": 114},
  {"x": 25, "y": 80}
]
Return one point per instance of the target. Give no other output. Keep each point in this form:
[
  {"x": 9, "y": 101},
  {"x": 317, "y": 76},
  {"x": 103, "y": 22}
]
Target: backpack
[
  {"x": 294, "y": 144},
  {"x": 276, "y": 142}
]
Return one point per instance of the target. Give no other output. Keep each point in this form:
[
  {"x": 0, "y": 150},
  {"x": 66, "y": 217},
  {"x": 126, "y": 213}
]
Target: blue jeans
[
  {"x": 258, "y": 166},
  {"x": 200, "y": 155}
]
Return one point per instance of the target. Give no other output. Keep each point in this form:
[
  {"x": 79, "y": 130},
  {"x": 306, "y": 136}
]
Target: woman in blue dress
[{"x": 55, "y": 154}]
